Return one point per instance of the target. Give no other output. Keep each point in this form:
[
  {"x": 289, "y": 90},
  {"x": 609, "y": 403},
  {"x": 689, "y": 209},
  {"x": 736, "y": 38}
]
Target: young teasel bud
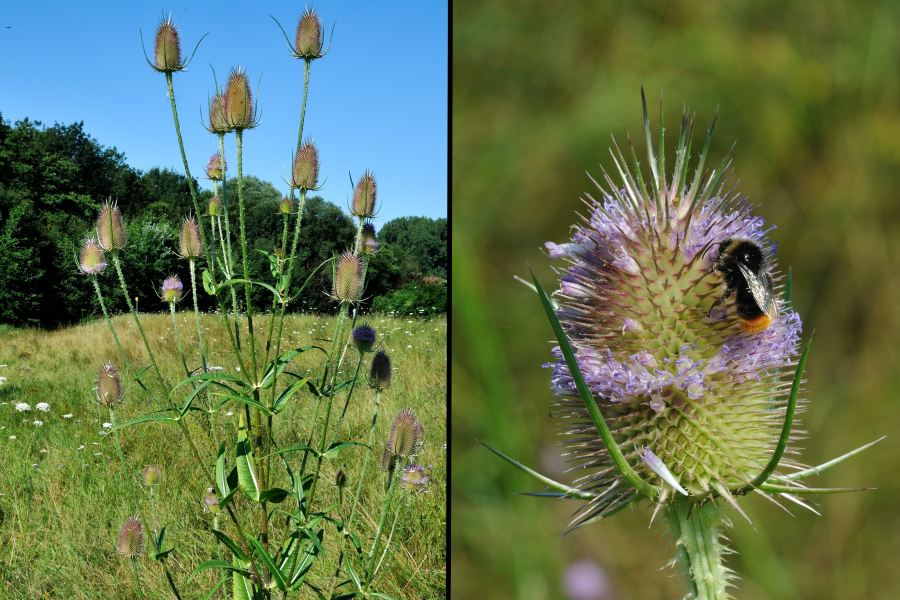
[
  {"x": 189, "y": 239},
  {"x": 217, "y": 121},
  {"x": 239, "y": 112},
  {"x": 92, "y": 260},
  {"x": 109, "y": 386},
  {"x": 214, "y": 207},
  {"x": 363, "y": 338},
  {"x": 340, "y": 479},
  {"x": 305, "y": 170},
  {"x": 380, "y": 371},
  {"x": 414, "y": 478},
  {"x": 171, "y": 289},
  {"x": 167, "y": 51},
  {"x": 211, "y": 501},
  {"x": 309, "y": 38},
  {"x": 286, "y": 206},
  {"x": 215, "y": 167},
  {"x": 364, "y": 196},
  {"x": 368, "y": 241},
  {"x": 130, "y": 542},
  {"x": 110, "y": 227},
  {"x": 152, "y": 475},
  {"x": 405, "y": 439},
  {"x": 348, "y": 285}
]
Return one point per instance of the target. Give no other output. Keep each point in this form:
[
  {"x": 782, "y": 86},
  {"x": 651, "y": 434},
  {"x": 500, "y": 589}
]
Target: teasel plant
[
  {"x": 268, "y": 501},
  {"x": 664, "y": 394}
]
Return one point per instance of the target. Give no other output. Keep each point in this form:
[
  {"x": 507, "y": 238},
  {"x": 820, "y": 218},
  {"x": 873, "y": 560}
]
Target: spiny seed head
[
  {"x": 218, "y": 123},
  {"x": 368, "y": 240},
  {"x": 340, "y": 479},
  {"x": 110, "y": 227},
  {"x": 348, "y": 285},
  {"x": 152, "y": 474},
  {"x": 363, "y": 338},
  {"x": 380, "y": 371},
  {"x": 309, "y": 39},
  {"x": 211, "y": 501},
  {"x": 286, "y": 206},
  {"x": 215, "y": 167},
  {"x": 109, "y": 386},
  {"x": 168, "y": 48},
  {"x": 189, "y": 239},
  {"x": 172, "y": 288},
  {"x": 92, "y": 260},
  {"x": 131, "y": 538},
  {"x": 404, "y": 440},
  {"x": 239, "y": 112},
  {"x": 305, "y": 171},
  {"x": 214, "y": 207},
  {"x": 415, "y": 478},
  {"x": 655, "y": 333},
  {"x": 364, "y": 196}
]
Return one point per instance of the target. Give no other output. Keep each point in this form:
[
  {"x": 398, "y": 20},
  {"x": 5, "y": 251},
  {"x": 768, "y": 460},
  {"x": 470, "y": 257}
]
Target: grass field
[{"x": 63, "y": 495}]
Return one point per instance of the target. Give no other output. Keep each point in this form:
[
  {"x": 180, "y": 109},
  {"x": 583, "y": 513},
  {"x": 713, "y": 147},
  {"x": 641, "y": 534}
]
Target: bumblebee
[{"x": 743, "y": 265}]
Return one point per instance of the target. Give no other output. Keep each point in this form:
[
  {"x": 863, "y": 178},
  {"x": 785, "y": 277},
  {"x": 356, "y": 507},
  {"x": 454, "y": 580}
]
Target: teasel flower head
[
  {"x": 415, "y": 478},
  {"x": 404, "y": 441},
  {"x": 92, "y": 260},
  {"x": 348, "y": 279},
  {"x": 368, "y": 240},
  {"x": 380, "y": 371},
  {"x": 218, "y": 123},
  {"x": 363, "y": 337},
  {"x": 305, "y": 170},
  {"x": 189, "y": 239},
  {"x": 110, "y": 227},
  {"x": 214, "y": 206},
  {"x": 109, "y": 386},
  {"x": 167, "y": 48},
  {"x": 172, "y": 288},
  {"x": 215, "y": 167},
  {"x": 286, "y": 206},
  {"x": 151, "y": 475},
  {"x": 309, "y": 38},
  {"x": 130, "y": 542},
  {"x": 340, "y": 478},
  {"x": 696, "y": 402},
  {"x": 211, "y": 501},
  {"x": 240, "y": 113},
  {"x": 364, "y": 196}
]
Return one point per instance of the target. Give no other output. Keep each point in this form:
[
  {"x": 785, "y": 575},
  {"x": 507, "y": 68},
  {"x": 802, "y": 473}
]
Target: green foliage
[
  {"x": 426, "y": 297},
  {"x": 421, "y": 244},
  {"x": 20, "y": 294}
]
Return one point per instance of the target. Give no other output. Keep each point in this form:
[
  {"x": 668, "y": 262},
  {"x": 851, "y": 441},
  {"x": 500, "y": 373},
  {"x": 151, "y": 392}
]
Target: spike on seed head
[
  {"x": 380, "y": 371},
  {"x": 168, "y": 47},
  {"x": 110, "y": 227},
  {"x": 309, "y": 38},
  {"x": 172, "y": 288},
  {"x": 239, "y": 112},
  {"x": 305, "y": 170},
  {"x": 151, "y": 474},
  {"x": 217, "y": 121},
  {"x": 130, "y": 542},
  {"x": 364, "y": 196},
  {"x": 189, "y": 239},
  {"x": 363, "y": 338},
  {"x": 92, "y": 260},
  {"x": 368, "y": 240},
  {"x": 214, "y": 206},
  {"x": 415, "y": 478},
  {"x": 286, "y": 205},
  {"x": 215, "y": 167},
  {"x": 348, "y": 285},
  {"x": 109, "y": 386}
]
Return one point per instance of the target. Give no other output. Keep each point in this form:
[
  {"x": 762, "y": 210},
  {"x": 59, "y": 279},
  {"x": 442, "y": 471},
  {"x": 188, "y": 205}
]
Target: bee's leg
[{"x": 717, "y": 310}]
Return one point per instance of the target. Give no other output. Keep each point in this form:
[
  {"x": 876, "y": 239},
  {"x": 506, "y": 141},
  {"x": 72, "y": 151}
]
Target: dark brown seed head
[
  {"x": 380, "y": 372},
  {"x": 109, "y": 386}
]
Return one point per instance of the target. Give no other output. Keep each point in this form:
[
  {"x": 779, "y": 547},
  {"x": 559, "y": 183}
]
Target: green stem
[
  {"x": 110, "y": 325},
  {"x": 230, "y": 258},
  {"x": 387, "y": 543},
  {"x": 171, "y": 581},
  {"x": 362, "y": 473},
  {"x": 112, "y": 421},
  {"x": 245, "y": 256},
  {"x": 392, "y": 486},
  {"x": 303, "y": 104},
  {"x": 200, "y": 335},
  {"x": 352, "y": 387},
  {"x": 137, "y": 579},
  {"x": 700, "y": 551},
  {"x": 187, "y": 371}
]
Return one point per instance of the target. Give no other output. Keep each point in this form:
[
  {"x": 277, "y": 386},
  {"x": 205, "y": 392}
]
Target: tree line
[{"x": 53, "y": 179}]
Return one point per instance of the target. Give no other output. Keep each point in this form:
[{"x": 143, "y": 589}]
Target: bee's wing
[{"x": 761, "y": 289}]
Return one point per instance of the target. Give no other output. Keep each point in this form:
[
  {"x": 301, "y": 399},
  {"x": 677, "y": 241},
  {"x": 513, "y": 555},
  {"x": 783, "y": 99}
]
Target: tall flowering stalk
[{"x": 665, "y": 390}]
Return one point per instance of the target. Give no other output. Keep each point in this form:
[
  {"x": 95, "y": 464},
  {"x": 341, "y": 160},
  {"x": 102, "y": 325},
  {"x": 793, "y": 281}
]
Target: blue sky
[{"x": 378, "y": 101}]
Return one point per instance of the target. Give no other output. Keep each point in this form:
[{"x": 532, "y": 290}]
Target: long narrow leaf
[
  {"x": 566, "y": 491},
  {"x": 827, "y": 465},
  {"x": 276, "y": 573}
]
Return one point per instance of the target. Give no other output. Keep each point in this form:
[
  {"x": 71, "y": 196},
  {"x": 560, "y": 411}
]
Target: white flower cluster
[{"x": 23, "y": 407}]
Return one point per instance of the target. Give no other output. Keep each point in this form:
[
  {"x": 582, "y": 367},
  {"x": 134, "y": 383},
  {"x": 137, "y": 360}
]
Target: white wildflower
[
  {"x": 107, "y": 425},
  {"x": 23, "y": 407},
  {"x": 38, "y": 423},
  {"x": 42, "y": 406},
  {"x": 12, "y": 437},
  {"x": 68, "y": 416}
]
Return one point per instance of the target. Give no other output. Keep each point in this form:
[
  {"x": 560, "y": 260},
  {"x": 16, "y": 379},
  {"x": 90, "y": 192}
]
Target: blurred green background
[{"x": 811, "y": 93}]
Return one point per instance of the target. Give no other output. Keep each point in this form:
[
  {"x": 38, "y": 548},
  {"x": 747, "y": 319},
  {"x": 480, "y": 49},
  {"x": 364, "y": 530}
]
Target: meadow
[{"x": 64, "y": 494}]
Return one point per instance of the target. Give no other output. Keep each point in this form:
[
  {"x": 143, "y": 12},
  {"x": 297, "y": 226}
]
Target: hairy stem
[
  {"x": 303, "y": 104},
  {"x": 109, "y": 324},
  {"x": 385, "y": 510},
  {"x": 137, "y": 579},
  {"x": 229, "y": 262},
  {"x": 700, "y": 551},
  {"x": 362, "y": 472},
  {"x": 245, "y": 256}
]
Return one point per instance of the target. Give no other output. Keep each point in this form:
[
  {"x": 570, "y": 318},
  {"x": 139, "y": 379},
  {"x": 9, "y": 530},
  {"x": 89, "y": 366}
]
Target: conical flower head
[
  {"x": 189, "y": 239},
  {"x": 167, "y": 50},
  {"x": 309, "y": 39},
  {"x": 211, "y": 501},
  {"x": 130, "y": 542},
  {"x": 363, "y": 337},
  {"x": 406, "y": 436},
  {"x": 286, "y": 206},
  {"x": 368, "y": 240},
  {"x": 110, "y": 227},
  {"x": 380, "y": 371},
  {"x": 690, "y": 366},
  {"x": 415, "y": 478},
  {"x": 305, "y": 170},
  {"x": 214, "y": 207},
  {"x": 151, "y": 475},
  {"x": 239, "y": 112},
  {"x": 172, "y": 288},
  {"x": 92, "y": 260},
  {"x": 348, "y": 284},
  {"x": 340, "y": 478},
  {"x": 364, "y": 196},
  {"x": 109, "y": 386},
  {"x": 217, "y": 121},
  {"x": 215, "y": 167}
]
